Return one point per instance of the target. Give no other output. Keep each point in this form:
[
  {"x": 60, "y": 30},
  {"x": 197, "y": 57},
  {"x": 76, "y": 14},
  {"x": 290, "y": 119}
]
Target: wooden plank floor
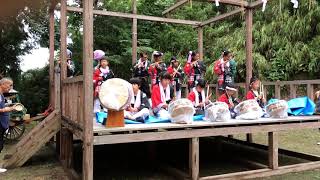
[{"x": 99, "y": 129}]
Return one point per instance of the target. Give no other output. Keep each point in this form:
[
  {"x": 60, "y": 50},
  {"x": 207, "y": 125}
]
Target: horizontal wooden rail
[
  {"x": 73, "y": 80},
  {"x": 137, "y": 16}
]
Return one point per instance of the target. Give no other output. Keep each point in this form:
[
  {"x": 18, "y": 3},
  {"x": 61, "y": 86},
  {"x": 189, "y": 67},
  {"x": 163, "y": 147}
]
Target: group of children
[{"x": 166, "y": 83}]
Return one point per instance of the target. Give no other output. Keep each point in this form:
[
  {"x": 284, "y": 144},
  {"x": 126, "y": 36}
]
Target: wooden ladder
[{"x": 33, "y": 141}]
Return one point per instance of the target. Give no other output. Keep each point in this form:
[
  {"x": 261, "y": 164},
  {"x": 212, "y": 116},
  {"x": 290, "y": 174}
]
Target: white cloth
[
  {"x": 136, "y": 101},
  {"x": 144, "y": 113},
  {"x": 104, "y": 71},
  {"x": 217, "y": 2},
  {"x": 2, "y": 170},
  {"x": 295, "y": 3},
  {"x": 178, "y": 94},
  {"x": 264, "y": 5},
  {"x": 163, "y": 114},
  {"x": 164, "y": 97},
  {"x": 96, "y": 106},
  {"x": 145, "y": 63},
  {"x": 197, "y": 97}
]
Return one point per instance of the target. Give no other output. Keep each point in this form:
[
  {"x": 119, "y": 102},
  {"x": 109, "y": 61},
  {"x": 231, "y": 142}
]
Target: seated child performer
[
  {"x": 162, "y": 95},
  {"x": 229, "y": 99},
  {"x": 254, "y": 93},
  {"x": 176, "y": 72},
  {"x": 156, "y": 68},
  {"x": 198, "y": 98},
  {"x": 139, "y": 107},
  {"x": 101, "y": 74}
]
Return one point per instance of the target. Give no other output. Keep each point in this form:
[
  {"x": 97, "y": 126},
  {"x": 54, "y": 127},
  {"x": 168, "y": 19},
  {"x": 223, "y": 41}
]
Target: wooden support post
[
  {"x": 200, "y": 42},
  {"x": 277, "y": 90},
  {"x": 293, "y": 91},
  {"x": 87, "y": 110},
  {"x": 134, "y": 33},
  {"x": 249, "y": 47},
  {"x": 63, "y": 39},
  {"x": 51, "y": 57},
  {"x": 194, "y": 158},
  {"x": 310, "y": 91},
  {"x": 273, "y": 150}
]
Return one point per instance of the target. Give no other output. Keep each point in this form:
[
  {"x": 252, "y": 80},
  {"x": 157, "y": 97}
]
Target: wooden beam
[
  {"x": 175, "y": 6},
  {"x": 241, "y": 3},
  {"x": 51, "y": 58},
  {"x": 310, "y": 91},
  {"x": 137, "y": 16},
  {"x": 63, "y": 39},
  {"x": 249, "y": 47},
  {"x": 87, "y": 110},
  {"x": 293, "y": 91},
  {"x": 194, "y": 158},
  {"x": 180, "y": 3},
  {"x": 216, "y": 131},
  {"x": 200, "y": 42},
  {"x": 134, "y": 33},
  {"x": 254, "y": 174},
  {"x": 222, "y": 16},
  {"x": 273, "y": 150},
  {"x": 255, "y": 4}
]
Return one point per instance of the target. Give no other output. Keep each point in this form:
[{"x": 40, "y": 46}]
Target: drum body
[
  {"x": 248, "y": 110},
  {"x": 217, "y": 111},
  {"x": 181, "y": 111},
  {"x": 278, "y": 109}
]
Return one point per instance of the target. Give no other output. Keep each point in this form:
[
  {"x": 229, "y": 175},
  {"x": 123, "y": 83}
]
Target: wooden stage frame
[
  {"x": 73, "y": 97},
  {"x": 168, "y": 131}
]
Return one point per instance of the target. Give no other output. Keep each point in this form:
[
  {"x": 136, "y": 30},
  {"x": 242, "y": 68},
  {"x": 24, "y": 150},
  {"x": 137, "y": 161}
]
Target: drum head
[{"x": 115, "y": 94}]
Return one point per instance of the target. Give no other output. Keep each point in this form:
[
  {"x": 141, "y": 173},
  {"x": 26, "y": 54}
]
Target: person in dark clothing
[
  {"x": 139, "y": 106},
  {"x": 5, "y": 86},
  {"x": 140, "y": 70}
]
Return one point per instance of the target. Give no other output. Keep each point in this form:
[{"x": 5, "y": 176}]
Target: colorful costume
[
  {"x": 177, "y": 75},
  {"x": 100, "y": 75}
]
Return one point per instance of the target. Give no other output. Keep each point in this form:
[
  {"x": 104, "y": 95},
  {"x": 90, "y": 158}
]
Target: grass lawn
[{"x": 44, "y": 164}]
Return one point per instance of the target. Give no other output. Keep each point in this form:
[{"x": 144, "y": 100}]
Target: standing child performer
[
  {"x": 97, "y": 55},
  {"x": 156, "y": 67},
  {"x": 139, "y": 107},
  {"x": 225, "y": 70},
  {"x": 229, "y": 99},
  {"x": 101, "y": 74},
  {"x": 203, "y": 67},
  {"x": 254, "y": 92},
  {"x": 176, "y": 72},
  {"x": 198, "y": 98},
  {"x": 162, "y": 95},
  {"x": 192, "y": 69},
  {"x": 70, "y": 64},
  {"x": 140, "y": 70}
]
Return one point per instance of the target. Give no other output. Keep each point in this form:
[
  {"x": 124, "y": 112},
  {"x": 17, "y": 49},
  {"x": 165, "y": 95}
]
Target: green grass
[{"x": 44, "y": 164}]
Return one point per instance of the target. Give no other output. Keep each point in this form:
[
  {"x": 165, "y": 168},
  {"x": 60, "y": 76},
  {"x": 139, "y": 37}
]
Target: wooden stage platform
[{"x": 168, "y": 131}]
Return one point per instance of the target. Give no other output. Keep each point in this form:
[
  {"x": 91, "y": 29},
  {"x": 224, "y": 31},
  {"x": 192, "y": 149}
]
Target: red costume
[
  {"x": 225, "y": 98},
  {"x": 159, "y": 98},
  {"x": 153, "y": 72},
  {"x": 99, "y": 76},
  {"x": 250, "y": 95}
]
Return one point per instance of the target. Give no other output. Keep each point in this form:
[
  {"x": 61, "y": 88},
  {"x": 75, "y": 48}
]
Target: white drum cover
[
  {"x": 181, "y": 111},
  {"x": 278, "y": 109},
  {"x": 217, "y": 111},
  {"x": 248, "y": 110},
  {"x": 115, "y": 94}
]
